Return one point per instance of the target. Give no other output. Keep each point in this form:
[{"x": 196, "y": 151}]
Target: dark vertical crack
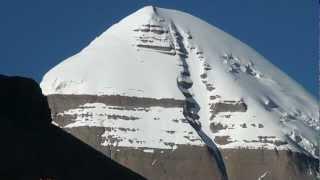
[{"x": 191, "y": 108}]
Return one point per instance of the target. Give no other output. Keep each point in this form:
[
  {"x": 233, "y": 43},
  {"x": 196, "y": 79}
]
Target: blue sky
[{"x": 38, "y": 34}]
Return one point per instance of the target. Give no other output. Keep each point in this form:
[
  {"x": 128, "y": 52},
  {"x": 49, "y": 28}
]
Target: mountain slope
[
  {"x": 149, "y": 77},
  {"x": 33, "y": 148}
]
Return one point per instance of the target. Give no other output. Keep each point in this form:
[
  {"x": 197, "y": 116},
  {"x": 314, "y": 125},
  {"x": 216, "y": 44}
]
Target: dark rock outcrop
[
  {"x": 23, "y": 104},
  {"x": 32, "y": 148}
]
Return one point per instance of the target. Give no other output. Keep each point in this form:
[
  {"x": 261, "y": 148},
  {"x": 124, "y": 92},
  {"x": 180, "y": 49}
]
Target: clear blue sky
[{"x": 35, "y": 35}]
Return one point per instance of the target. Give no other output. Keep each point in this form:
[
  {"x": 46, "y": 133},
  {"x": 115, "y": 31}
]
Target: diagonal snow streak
[
  {"x": 191, "y": 107},
  {"x": 263, "y": 175}
]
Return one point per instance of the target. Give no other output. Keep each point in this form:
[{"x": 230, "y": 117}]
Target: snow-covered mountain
[{"x": 161, "y": 79}]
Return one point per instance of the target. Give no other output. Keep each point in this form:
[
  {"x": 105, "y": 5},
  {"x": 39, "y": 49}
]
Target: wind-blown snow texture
[{"x": 242, "y": 98}]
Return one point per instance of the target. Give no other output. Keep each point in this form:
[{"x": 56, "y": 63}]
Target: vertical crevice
[{"x": 191, "y": 108}]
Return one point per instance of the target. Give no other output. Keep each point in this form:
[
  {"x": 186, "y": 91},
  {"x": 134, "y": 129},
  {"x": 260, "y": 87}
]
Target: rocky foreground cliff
[{"x": 32, "y": 148}]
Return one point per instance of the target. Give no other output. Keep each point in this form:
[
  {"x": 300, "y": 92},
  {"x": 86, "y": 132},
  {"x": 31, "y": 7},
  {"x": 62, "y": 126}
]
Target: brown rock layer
[{"x": 187, "y": 162}]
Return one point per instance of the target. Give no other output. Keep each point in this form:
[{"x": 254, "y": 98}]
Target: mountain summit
[{"x": 162, "y": 81}]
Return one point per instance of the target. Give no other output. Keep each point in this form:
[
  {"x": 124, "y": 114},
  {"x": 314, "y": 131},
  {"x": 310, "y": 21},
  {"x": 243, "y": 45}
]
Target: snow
[
  {"x": 263, "y": 175},
  {"x": 139, "y": 56},
  {"x": 155, "y": 127},
  {"x": 148, "y": 150},
  {"x": 55, "y": 124}
]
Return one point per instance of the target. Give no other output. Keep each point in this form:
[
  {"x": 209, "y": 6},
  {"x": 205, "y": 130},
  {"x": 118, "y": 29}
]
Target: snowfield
[{"x": 243, "y": 98}]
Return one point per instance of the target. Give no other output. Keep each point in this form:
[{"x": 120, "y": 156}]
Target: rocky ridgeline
[{"x": 32, "y": 148}]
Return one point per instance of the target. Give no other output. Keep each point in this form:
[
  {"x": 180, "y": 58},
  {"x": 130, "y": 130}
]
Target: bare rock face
[
  {"x": 178, "y": 161},
  {"x": 32, "y": 148}
]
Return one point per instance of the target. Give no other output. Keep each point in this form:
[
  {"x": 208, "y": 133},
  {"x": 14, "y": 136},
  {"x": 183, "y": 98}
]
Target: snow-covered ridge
[{"x": 241, "y": 95}]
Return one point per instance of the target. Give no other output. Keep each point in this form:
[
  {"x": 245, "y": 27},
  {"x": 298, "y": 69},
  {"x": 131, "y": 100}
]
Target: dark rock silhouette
[{"x": 33, "y": 148}]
